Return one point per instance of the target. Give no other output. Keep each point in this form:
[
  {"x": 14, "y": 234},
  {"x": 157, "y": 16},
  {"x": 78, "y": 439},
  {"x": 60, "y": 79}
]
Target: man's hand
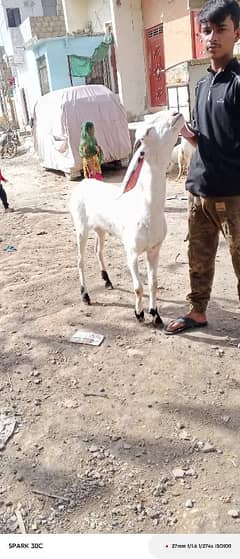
[{"x": 189, "y": 134}]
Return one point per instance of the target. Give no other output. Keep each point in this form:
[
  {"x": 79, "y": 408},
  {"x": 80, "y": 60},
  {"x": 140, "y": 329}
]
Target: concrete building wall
[
  {"x": 56, "y": 52},
  {"x": 152, "y": 13},
  {"x": 177, "y": 27},
  {"x": 59, "y": 7},
  {"x": 30, "y": 81},
  {"x": 49, "y": 7},
  {"x": 8, "y": 35},
  {"x": 11, "y": 37},
  {"x": 197, "y": 69},
  {"x": 129, "y": 44},
  {"x": 99, "y": 12},
  {"x": 47, "y": 26},
  {"x": 79, "y": 13},
  {"x": 126, "y": 18},
  {"x": 42, "y": 28},
  {"x": 27, "y": 79},
  {"x": 5, "y": 36},
  {"x": 181, "y": 30},
  {"x": 75, "y": 14},
  {"x": 26, "y": 8},
  {"x": 26, "y": 30}
]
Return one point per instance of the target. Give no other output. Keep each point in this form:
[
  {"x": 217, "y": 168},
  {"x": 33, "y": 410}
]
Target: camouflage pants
[{"x": 207, "y": 217}]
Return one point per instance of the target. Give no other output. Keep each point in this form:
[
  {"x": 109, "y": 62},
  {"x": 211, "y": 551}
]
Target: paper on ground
[{"x": 88, "y": 338}]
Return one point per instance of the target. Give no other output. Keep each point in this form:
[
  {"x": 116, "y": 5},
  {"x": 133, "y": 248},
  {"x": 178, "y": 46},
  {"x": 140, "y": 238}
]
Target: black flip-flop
[{"x": 186, "y": 324}]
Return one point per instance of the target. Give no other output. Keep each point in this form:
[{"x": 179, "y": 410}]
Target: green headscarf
[{"x": 88, "y": 143}]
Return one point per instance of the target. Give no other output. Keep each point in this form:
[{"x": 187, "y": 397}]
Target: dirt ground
[{"x": 138, "y": 435}]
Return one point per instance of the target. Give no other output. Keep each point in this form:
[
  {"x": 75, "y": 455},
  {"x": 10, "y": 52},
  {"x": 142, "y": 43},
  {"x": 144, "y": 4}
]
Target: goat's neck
[{"x": 153, "y": 180}]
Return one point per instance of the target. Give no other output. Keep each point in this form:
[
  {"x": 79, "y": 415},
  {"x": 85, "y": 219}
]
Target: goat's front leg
[
  {"x": 81, "y": 242},
  {"x": 180, "y": 165},
  {"x": 132, "y": 258},
  {"x": 99, "y": 252},
  {"x": 152, "y": 258}
]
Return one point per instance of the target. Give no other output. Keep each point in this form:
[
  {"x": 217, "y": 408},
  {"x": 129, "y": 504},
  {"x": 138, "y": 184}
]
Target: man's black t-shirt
[{"x": 215, "y": 166}]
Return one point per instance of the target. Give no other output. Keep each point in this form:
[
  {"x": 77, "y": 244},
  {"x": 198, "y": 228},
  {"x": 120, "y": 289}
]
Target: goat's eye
[{"x": 137, "y": 145}]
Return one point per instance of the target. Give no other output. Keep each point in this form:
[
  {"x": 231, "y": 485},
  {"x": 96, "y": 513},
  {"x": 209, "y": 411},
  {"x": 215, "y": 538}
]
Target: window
[
  {"x": 178, "y": 100},
  {"x": 43, "y": 74},
  {"x": 14, "y": 17}
]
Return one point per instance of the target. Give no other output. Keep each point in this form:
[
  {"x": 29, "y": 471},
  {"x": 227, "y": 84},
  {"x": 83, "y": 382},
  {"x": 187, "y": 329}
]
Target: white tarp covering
[{"x": 58, "y": 118}]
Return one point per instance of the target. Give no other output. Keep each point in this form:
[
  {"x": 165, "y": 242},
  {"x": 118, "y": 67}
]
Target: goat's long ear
[
  {"x": 132, "y": 180},
  {"x": 132, "y": 173}
]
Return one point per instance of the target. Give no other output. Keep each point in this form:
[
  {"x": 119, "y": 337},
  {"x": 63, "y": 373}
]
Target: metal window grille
[{"x": 155, "y": 31}]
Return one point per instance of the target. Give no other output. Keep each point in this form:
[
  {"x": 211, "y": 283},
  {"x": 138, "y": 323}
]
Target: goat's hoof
[
  {"x": 105, "y": 277},
  {"x": 86, "y": 299},
  {"x": 140, "y": 317},
  {"x": 108, "y": 285},
  {"x": 157, "y": 321}
]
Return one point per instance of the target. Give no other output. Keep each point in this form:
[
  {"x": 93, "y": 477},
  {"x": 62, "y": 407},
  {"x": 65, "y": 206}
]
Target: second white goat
[
  {"x": 185, "y": 153},
  {"x": 136, "y": 216}
]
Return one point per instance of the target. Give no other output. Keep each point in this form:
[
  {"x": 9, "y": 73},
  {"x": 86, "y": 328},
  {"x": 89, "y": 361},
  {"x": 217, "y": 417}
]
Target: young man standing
[{"x": 214, "y": 175}]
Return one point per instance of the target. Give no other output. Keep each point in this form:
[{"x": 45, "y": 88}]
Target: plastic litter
[{"x": 9, "y": 248}]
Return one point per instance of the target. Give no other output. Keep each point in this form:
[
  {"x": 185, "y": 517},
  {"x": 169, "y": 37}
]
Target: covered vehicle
[{"x": 57, "y": 121}]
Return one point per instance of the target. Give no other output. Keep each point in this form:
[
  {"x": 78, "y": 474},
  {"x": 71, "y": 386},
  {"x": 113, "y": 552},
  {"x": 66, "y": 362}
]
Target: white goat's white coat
[{"x": 136, "y": 217}]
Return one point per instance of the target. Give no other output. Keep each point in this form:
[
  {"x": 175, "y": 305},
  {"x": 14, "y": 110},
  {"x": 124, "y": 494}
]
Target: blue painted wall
[{"x": 56, "y": 51}]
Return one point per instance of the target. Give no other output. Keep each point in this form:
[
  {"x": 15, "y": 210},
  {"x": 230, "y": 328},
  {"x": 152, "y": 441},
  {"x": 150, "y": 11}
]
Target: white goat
[
  {"x": 185, "y": 153},
  {"x": 135, "y": 216}
]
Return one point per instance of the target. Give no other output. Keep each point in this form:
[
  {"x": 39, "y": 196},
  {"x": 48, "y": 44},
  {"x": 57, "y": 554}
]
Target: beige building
[
  {"x": 158, "y": 47},
  {"x": 149, "y": 36},
  {"x": 176, "y": 20},
  {"x": 174, "y": 50}
]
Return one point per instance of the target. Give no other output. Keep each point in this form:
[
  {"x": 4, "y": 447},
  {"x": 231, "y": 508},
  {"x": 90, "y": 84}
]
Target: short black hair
[{"x": 216, "y": 11}]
